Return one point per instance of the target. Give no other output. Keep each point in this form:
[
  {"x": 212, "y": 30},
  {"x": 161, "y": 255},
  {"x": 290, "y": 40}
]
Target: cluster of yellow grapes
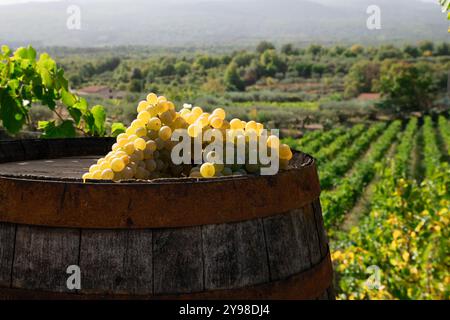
[{"x": 143, "y": 152}]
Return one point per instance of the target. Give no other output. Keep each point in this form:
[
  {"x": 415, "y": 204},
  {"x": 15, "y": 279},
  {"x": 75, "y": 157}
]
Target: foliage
[
  {"x": 337, "y": 202},
  {"x": 405, "y": 86},
  {"x": 405, "y": 236},
  {"x": 328, "y": 152},
  {"x": 331, "y": 171},
  {"x": 444, "y": 129},
  {"x": 431, "y": 153},
  {"x": 26, "y": 79},
  {"x": 404, "y": 149},
  {"x": 361, "y": 78},
  {"x": 312, "y": 146}
]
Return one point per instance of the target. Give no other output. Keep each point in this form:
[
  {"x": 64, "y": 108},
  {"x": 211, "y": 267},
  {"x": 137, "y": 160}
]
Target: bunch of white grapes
[{"x": 143, "y": 152}]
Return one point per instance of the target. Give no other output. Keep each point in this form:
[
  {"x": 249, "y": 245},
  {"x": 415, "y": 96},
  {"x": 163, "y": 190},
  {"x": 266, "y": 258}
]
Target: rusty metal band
[
  {"x": 164, "y": 203},
  {"x": 307, "y": 285}
]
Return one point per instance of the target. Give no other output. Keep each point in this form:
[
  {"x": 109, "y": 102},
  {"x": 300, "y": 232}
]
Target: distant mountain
[{"x": 203, "y": 23}]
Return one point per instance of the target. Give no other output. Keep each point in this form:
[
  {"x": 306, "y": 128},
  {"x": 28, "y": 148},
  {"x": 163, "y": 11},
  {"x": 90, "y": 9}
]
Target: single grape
[
  {"x": 154, "y": 124},
  {"x": 216, "y": 122},
  {"x": 285, "y": 152},
  {"x": 142, "y": 106},
  {"x": 94, "y": 168},
  {"x": 140, "y": 144},
  {"x": 144, "y": 116},
  {"x": 236, "y": 124},
  {"x": 117, "y": 165},
  {"x": 107, "y": 174},
  {"x": 207, "y": 170},
  {"x": 197, "y": 111},
  {"x": 86, "y": 176},
  {"x": 219, "y": 112},
  {"x": 96, "y": 175},
  {"x": 129, "y": 148},
  {"x": 165, "y": 133},
  {"x": 152, "y": 98}
]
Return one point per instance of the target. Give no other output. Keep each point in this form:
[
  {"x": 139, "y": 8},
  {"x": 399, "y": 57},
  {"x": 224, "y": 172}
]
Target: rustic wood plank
[
  {"x": 116, "y": 261},
  {"x": 235, "y": 255},
  {"x": 323, "y": 238},
  {"x": 305, "y": 226},
  {"x": 35, "y": 148},
  {"x": 313, "y": 236},
  {"x": 42, "y": 256},
  {"x": 12, "y": 151},
  {"x": 287, "y": 249},
  {"x": 178, "y": 265},
  {"x": 7, "y": 239}
]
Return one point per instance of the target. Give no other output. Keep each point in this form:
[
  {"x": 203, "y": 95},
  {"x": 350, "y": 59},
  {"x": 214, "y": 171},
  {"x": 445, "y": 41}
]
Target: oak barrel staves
[{"x": 265, "y": 241}]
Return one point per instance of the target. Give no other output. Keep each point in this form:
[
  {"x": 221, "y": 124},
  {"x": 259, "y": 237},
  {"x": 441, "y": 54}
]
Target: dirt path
[{"x": 362, "y": 206}]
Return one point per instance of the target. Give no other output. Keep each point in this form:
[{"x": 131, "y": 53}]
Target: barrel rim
[{"x": 176, "y": 202}]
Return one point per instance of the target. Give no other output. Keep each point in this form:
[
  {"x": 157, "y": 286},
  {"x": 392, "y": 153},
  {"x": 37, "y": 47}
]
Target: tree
[
  {"x": 406, "y": 87},
  {"x": 272, "y": 63},
  {"x": 206, "y": 62},
  {"x": 136, "y": 74},
  {"x": 314, "y": 50},
  {"x": 232, "y": 79},
  {"x": 288, "y": 49},
  {"x": 426, "y": 46},
  {"x": 443, "y": 49},
  {"x": 135, "y": 85},
  {"x": 411, "y": 51},
  {"x": 304, "y": 69},
  {"x": 244, "y": 58},
  {"x": 264, "y": 46},
  {"x": 357, "y": 49},
  {"x": 251, "y": 74},
  {"x": 389, "y": 52},
  {"x": 361, "y": 78},
  {"x": 182, "y": 68}
]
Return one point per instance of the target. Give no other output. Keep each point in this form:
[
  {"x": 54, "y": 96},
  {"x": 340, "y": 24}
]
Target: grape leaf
[
  {"x": 51, "y": 130},
  {"x": 99, "y": 115},
  {"x": 13, "y": 117},
  {"x": 117, "y": 128},
  {"x": 68, "y": 98}
]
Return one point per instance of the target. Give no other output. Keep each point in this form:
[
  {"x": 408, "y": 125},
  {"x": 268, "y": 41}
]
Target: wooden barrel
[{"x": 253, "y": 237}]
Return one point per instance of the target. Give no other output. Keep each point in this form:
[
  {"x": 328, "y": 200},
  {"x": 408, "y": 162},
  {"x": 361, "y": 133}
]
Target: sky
[
  {"x": 11, "y": 2},
  {"x": 8, "y": 2}
]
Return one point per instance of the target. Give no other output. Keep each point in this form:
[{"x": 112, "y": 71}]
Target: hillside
[{"x": 204, "y": 23}]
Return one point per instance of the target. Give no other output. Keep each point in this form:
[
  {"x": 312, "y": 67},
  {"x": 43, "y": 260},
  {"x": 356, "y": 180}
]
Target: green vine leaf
[
  {"x": 117, "y": 128},
  {"x": 51, "y": 130},
  {"x": 12, "y": 115},
  {"x": 99, "y": 115}
]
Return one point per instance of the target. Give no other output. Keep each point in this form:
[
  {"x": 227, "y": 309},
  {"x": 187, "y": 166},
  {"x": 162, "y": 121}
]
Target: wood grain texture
[
  {"x": 308, "y": 219},
  {"x": 11, "y": 151},
  {"x": 116, "y": 261},
  {"x": 7, "y": 239},
  {"x": 42, "y": 256},
  {"x": 321, "y": 232},
  {"x": 177, "y": 258},
  {"x": 287, "y": 250},
  {"x": 234, "y": 255},
  {"x": 310, "y": 284}
]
